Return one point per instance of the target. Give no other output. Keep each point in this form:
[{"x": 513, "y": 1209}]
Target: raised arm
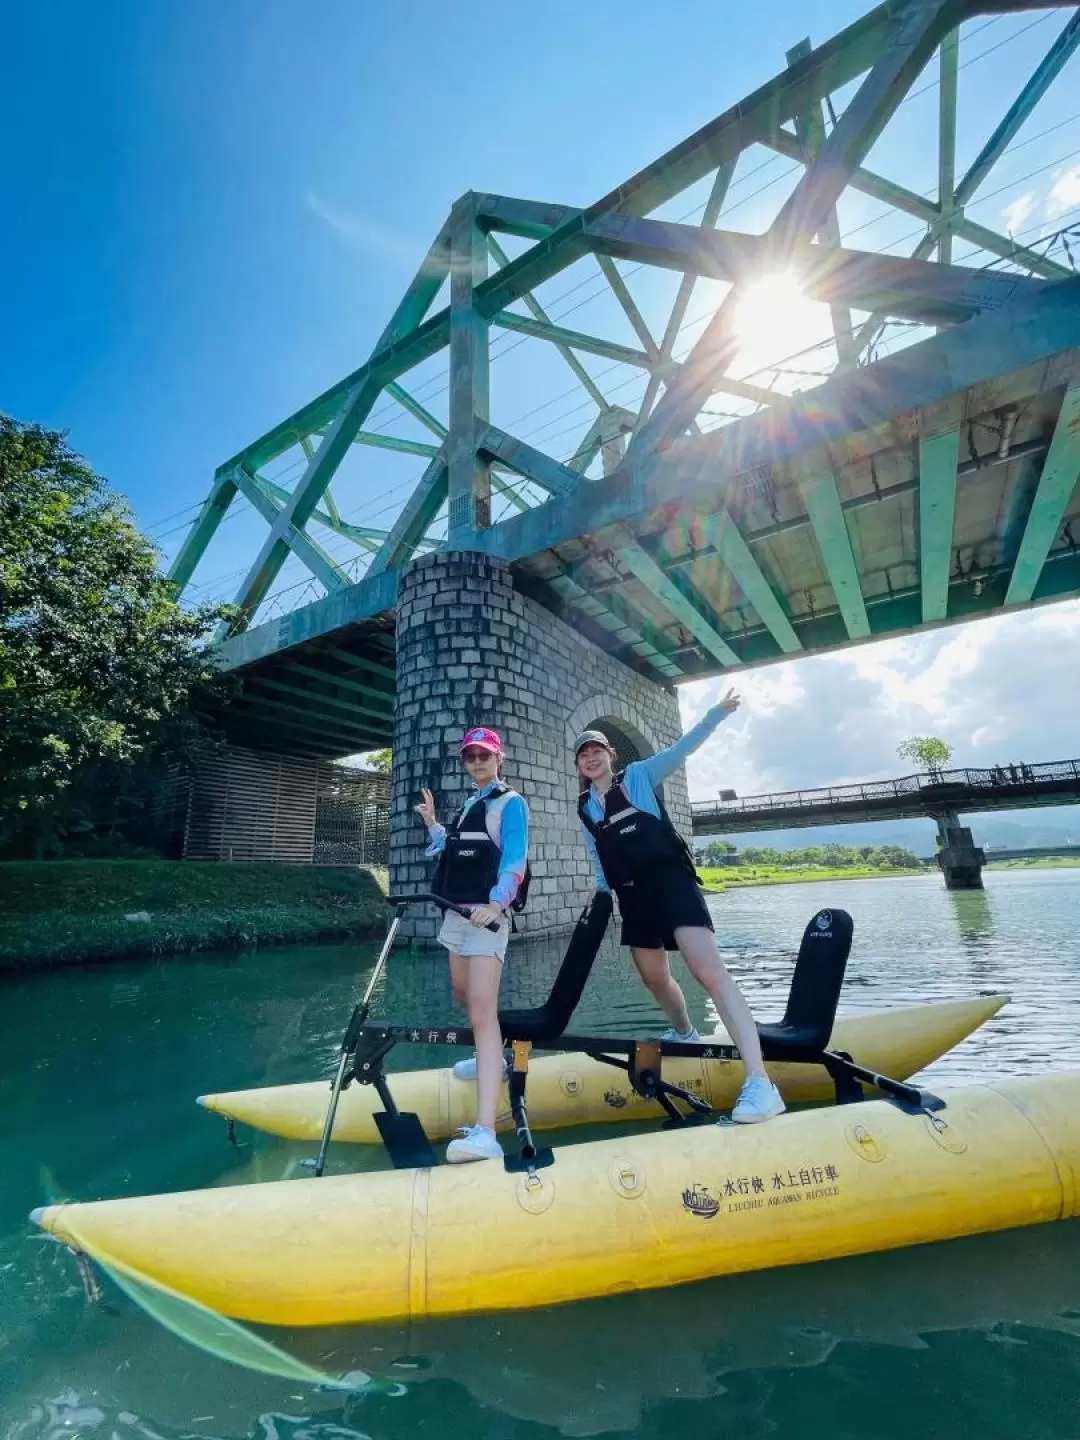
[{"x": 665, "y": 762}]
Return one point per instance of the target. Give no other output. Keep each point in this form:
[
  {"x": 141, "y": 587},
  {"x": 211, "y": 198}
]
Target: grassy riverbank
[
  {"x": 67, "y": 912},
  {"x": 738, "y": 877}
]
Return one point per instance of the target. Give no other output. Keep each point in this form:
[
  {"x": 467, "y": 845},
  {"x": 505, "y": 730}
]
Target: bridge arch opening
[{"x": 630, "y": 744}]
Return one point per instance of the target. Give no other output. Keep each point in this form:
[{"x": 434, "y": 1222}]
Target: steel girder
[{"x": 656, "y": 603}]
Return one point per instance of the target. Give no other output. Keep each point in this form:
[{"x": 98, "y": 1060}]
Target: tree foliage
[
  {"x": 812, "y": 857},
  {"x": 381, "y": 761},
  {"x": 99, "y": 666},
  {"x": 926, "y": 751}
]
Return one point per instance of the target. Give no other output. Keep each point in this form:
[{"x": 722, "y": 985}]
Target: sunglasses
[{"x": 472, "y": 756}]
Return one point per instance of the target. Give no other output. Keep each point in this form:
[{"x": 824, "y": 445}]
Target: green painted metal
[
  {"x": 468, "y": 472},
  {"x": 572, "y": 339},
  {"x": 810, "y": 128},
  {"x": 911, "y": 35},
  {"x": 949, "y": 67},
  {"x": 528, "y": 219},
  {"x": 420, "y": 295},
  {"x": 210, "y": 516},
  {"x": 629, "y": 306},
  {"x": 368, "y": 691},
  {"x": 393, "y": 442},
  {"x": 1060, "y": 472},
  {"x": 412, "y": 524},
  {"x": 737, "y": 556},
  {"x": 666, "y": 590},
  {"x": 317, "y": 698},
  {"x": 831, "y": 533},
  {"x": 713, "y": 205},
  {"x": 360, "y": 662},
  {"x": 673, "y": 480},
  {"x": 1048, "y": 69},
  {"x": 368, "y": 537},
  {"x": 419, "y": 412},
  {"x": 321, "y": 564},
  {"x": 938, "y": 456},
  {"x": 294, "y": 516},
  {"x": 324, "y": 721},
  {"x": 613, "y": 615},
  {"x": 526, "y": 460},
  {"x": 355, "y": 610},
  {"x": 302, "y": 723},
  {"x": 867, "y": 182},
  {"x": 698, "y": 473},
  {"x": 907, "y": 288},
  {"x": 541, "y": 317}
]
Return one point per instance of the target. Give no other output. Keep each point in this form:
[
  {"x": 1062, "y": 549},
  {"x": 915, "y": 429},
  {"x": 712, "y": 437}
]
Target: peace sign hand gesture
[
  {"x": 426, "y": 808},
  {"x": 730, "y": 703}
]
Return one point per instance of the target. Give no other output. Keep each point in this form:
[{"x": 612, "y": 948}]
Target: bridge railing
[{"x": 1015, "y": 778}]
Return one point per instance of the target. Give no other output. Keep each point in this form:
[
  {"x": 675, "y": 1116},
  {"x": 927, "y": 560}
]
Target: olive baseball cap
[{"x": 590, "y": 737}]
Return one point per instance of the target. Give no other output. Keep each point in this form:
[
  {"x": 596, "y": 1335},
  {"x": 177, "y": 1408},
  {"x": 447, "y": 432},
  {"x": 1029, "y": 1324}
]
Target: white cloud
[
  {"x": 1064, "y": 192},
  {"x": 1021, "y": 208},
  {"x": 358, "y": 231},
  {"x": 999, "y": 691}
]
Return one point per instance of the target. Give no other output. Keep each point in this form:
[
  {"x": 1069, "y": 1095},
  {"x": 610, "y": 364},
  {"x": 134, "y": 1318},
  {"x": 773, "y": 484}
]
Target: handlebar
[{"x": 401, "y": 901}]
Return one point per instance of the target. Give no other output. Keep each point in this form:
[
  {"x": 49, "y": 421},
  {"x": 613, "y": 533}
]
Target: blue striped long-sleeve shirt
[
  {"x": 642, "y": 777},
  {"x": 512, "y": 837}
]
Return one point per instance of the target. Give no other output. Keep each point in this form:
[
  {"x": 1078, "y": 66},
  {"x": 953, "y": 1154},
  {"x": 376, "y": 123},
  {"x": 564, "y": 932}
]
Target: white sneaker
[
  {"x": 475, "y": 1143},
  {"x": 466, "y": 1069},
  {"x": 673, "y": 1036},
  {"x": 759, "y": 1099}
]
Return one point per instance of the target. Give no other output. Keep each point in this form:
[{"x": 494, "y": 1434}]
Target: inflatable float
[
  {"x": 633, "y": 1213},
  {"x": 576, "y": 1089},
  {"x": 638, "y": 1212}
]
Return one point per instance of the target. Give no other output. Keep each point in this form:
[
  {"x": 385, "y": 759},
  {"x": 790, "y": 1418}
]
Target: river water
[{"x": 98, "y": 1068}]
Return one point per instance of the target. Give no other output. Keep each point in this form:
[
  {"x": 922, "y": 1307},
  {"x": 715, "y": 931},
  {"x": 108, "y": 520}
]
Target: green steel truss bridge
[{"x": 925, "y": 474}]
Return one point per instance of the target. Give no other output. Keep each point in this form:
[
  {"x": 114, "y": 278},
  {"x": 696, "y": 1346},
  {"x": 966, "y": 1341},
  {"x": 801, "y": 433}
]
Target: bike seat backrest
[
  {"x": 818, "y": 977},
  {"x": 549, "y": 1020}
]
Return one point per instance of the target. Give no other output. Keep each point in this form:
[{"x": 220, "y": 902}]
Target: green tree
[
  {"x": 381, "y": 761},
  {"x": 926, "y": 751},
  {"x": 99, "y": 666}
]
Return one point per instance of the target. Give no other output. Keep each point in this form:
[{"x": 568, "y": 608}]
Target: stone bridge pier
[
  {"x": 472, "y": 650},
  {"x": 958, "y": 857}
]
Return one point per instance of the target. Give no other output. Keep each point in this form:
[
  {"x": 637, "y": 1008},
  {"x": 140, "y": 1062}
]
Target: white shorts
[{"x": 461, "y": 938}]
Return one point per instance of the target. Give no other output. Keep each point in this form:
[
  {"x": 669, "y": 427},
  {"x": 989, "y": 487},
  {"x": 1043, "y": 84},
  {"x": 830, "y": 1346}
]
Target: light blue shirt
[
  {"x": 513, "y": 842},
  {"x": 641, "y": 779}
]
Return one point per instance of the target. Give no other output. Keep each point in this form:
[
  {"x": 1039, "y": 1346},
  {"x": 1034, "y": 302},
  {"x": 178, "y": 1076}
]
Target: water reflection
[
  {"x": 100, "y": 1067},
  {"x": 974, "y": 911}
]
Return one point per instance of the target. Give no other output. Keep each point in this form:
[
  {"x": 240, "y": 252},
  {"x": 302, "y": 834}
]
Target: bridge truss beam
[{"x": 708, "y": 594}]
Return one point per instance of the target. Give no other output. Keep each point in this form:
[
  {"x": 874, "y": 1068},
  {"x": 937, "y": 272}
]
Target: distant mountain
[{"x": 1015, "y": 828}]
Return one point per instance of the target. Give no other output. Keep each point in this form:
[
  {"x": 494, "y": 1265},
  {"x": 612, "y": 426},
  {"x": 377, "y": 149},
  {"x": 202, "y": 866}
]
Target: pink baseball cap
[{"x": 483, "y": 739}]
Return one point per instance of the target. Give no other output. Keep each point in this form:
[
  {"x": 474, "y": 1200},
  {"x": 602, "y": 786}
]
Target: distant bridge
[
  {"x": 1028, "y": 852},
  {"x": 928, "y": 795}
]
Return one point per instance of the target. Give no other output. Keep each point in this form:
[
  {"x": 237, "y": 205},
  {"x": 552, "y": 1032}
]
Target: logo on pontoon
[
  {"x": 823, "y": 921},
  {"x": 615, "y": 1098},
  {"x": 699, "y": 1201}
]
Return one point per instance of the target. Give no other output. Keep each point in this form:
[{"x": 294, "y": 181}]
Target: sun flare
[{"x": 774, "y": 323}]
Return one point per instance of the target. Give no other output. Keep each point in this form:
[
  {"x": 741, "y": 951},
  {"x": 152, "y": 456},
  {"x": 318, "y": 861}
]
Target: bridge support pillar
[
  {"x": 960, "y": 859},
  {"x": 471, "y": 650}
]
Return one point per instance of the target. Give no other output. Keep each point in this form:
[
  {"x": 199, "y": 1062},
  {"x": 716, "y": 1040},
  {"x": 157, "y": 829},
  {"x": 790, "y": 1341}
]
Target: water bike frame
[{"x": 802, "y": 1036}]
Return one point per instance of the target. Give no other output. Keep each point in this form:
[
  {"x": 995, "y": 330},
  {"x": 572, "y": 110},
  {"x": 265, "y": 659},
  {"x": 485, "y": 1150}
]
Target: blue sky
[{"x": 211, "y": 209}]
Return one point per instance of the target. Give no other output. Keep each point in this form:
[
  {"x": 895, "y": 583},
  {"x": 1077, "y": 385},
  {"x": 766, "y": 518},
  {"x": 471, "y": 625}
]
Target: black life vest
[
  {"x": 631, "y": 843},
  {"x": 468, "y": 867}
]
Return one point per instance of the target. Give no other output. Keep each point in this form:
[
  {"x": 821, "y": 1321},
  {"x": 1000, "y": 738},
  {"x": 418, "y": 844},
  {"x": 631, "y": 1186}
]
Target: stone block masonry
[{"x": 471, "y": 650}]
